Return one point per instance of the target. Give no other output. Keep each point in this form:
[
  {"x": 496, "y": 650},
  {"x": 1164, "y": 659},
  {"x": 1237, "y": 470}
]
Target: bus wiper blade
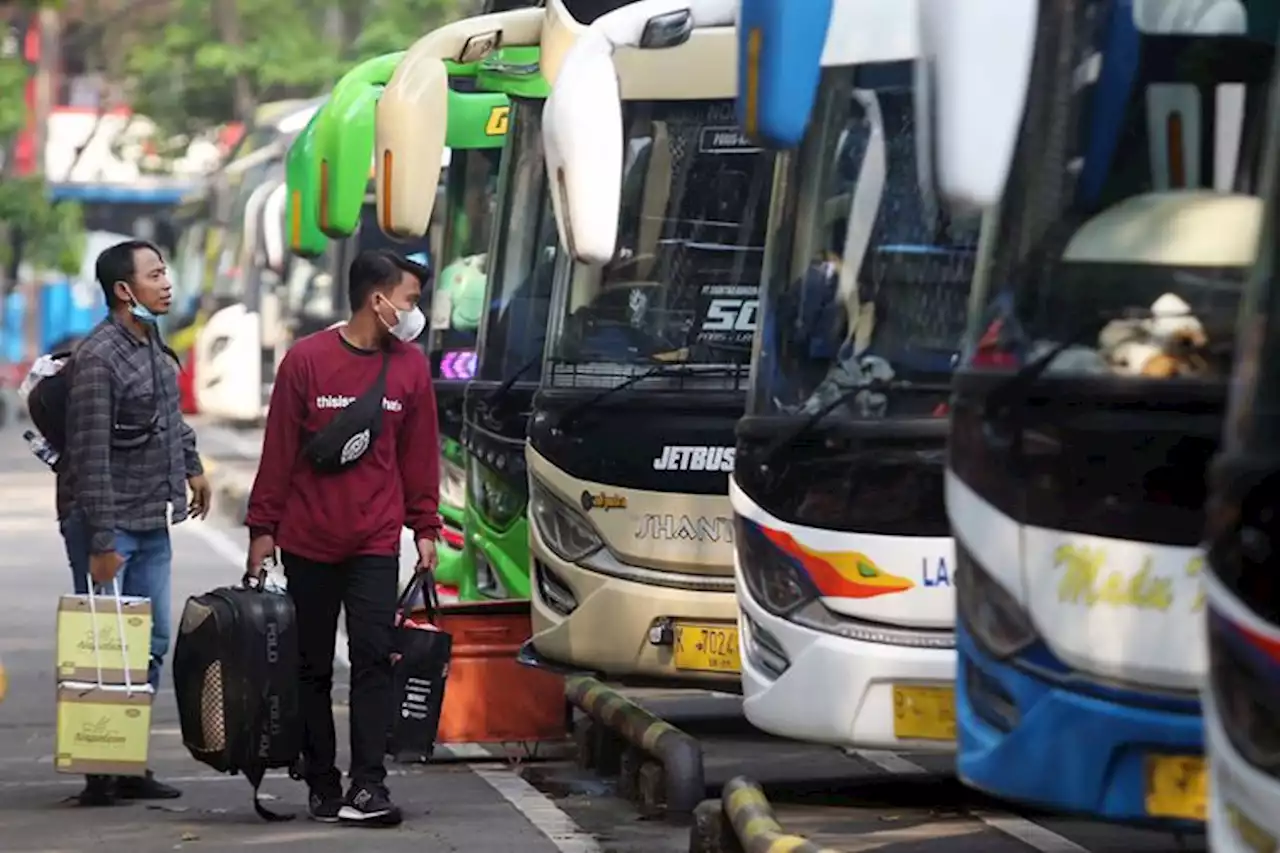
[
  {"x": 875, "y": 386},
  {"x": 1016, "y": 387},
  {"x": 507, "y": 384},
  {"x": 678, "y": 369}
]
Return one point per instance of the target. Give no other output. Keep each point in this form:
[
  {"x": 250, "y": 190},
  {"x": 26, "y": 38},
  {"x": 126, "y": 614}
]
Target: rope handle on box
[{"x": 97, "y": 644}]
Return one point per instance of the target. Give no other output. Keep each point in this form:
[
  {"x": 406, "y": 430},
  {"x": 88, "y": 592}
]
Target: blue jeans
[{"x": 148, "y": 560}]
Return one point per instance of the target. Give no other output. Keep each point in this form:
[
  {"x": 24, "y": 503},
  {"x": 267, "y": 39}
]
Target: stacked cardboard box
[{"x": 104, "y": 701}]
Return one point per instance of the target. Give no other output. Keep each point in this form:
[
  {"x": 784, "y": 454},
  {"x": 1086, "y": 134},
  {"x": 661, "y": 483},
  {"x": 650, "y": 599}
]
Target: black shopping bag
[{"x": 420, "y": 670}]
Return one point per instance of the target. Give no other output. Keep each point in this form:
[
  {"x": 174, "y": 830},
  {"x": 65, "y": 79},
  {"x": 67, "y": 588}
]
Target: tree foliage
[
  {"x": 51, "y": 235},
  {"x": 207, "y": 62}
]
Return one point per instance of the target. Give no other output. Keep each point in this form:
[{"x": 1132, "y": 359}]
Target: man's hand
[
  {"x": 201, "y": 496},
  {"x": 427, "y": 557},
  {"x": 261, "y": 549},
  {"x": 104, "y": 567}
]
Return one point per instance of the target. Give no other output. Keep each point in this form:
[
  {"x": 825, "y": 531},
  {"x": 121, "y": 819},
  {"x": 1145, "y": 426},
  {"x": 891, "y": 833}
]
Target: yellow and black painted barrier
[
  {"x": 661, "y": 766},
  {"x": 742, "y": 821}
]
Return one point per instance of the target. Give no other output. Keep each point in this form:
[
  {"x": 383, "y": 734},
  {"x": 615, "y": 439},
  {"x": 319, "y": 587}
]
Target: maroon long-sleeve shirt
[{"x": 360, "y": 511}]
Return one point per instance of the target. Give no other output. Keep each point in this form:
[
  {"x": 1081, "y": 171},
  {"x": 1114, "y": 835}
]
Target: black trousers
[{"x": 367, "y": 588}]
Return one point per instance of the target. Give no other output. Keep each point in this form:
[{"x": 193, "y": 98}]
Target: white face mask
[{"x": 409, "y": 323}]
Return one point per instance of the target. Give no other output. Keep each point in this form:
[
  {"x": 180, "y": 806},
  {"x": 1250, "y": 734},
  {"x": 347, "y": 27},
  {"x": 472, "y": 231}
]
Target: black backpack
[
  {"x": 47, "y": 400},
  {"x": 235, "y": 675},
  {"x": 47, "y": 404}
]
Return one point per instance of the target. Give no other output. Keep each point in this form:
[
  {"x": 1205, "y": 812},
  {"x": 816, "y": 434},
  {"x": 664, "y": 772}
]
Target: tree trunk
[{"x": 227, "y": 19}]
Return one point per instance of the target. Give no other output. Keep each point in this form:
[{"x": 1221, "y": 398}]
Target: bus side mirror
[
  {"x": 345, "y": 142},
  {"x": 582, "y": 137},
  {"x": 978, "y": 65},
  {"x": 411, "y": 122},
  {"x": 302, "y": 181},
  {"x": 582, "y": 118},
  {"x": 779, "y": 56}
]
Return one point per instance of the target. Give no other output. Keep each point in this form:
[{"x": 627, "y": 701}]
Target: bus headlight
[
  {"x": 453, "y": 484},
  {"x": 565, "y": 531},
  {"x": 994, "y": 618},
  {"x": 774, "y": 580},
  {"x": 497, "y": 501},
  {"x": 1245, "y": 697}
]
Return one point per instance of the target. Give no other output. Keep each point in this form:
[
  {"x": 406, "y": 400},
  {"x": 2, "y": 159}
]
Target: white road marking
[
  {"x": 1028, "y": 832},
  {"x": 464, "y": 751},
  {"x": 890, "y": 762},
  {"x": 538, "y": 809}
]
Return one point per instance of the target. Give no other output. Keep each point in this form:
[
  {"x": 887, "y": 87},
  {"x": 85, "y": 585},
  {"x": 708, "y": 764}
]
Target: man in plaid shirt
[{"x": 129, "y": 460}]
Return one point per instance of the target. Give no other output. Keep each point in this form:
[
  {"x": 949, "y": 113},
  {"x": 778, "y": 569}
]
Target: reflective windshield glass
[
  {"x": 1129, "y": 218},
  {"x": 524, "y": 253},
  {"x": 310, "y": 291},
  {"x": 458, "y": 303},
  {"x": 187, "y": 270},
  {"x": 684, "y": 285},
  {"x": 229, "y": 281},
  {"x": 868, "y": 283}
]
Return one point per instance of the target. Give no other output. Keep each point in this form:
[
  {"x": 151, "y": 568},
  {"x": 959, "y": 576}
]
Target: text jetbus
[
  {"x": 843, "y": 555},
  {"x": 1091, "y": 394}
]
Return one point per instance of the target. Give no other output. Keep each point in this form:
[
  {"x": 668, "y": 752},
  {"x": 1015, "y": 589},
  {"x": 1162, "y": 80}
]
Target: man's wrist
[{"x": 102, "y": 542}]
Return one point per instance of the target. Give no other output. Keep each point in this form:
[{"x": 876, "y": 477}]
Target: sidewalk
[{"x": 480, "y": 808}]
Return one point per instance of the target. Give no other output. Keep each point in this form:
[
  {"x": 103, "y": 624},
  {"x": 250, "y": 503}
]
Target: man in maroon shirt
[{"x": 338, "y": 525}]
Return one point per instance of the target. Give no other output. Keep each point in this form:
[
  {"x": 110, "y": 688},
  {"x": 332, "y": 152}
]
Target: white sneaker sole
[{"x": 354, "y": 815}]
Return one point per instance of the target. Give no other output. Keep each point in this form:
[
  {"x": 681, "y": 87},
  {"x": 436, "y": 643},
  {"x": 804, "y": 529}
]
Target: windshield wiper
[
  {"x": 875, "y": 386},
  {"x": 507, "y": 384},
  {"x": 1014, "y": 390},
  {"x": 680, "y": 369}
]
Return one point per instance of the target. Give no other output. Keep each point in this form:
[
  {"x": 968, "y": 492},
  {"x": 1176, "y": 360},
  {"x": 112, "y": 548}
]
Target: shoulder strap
[
  {"x": 379, "y": 386},
  {"x": 255, "y": 775}
]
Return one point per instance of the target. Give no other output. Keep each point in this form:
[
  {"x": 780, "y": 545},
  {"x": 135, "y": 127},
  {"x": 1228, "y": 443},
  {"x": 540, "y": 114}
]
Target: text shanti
[
  {"x": 1087, "y": 580},
  {"x": 683, "y": 528}
]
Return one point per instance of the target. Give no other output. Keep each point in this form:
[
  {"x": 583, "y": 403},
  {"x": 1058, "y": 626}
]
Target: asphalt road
[{"x": 851, "y": 802}]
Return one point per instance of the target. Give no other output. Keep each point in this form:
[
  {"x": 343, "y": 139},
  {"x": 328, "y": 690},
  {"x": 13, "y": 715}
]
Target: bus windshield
[
  {"x": 458, "y": 303},
  {"x": 683, "y": 287},
  {"x": 868, "y": 283},
  {"x": 1130, "y": 215},
  {"x": 524, "y": 253}
]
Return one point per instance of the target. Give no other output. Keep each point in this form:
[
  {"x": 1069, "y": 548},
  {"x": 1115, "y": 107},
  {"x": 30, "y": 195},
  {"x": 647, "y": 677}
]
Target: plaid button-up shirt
[{"x": 117, "y": 379}]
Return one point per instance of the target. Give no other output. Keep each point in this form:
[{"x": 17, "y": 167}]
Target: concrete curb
[
  {"x": 675, "y": 782},
  {"x": 742, "y": 820}
]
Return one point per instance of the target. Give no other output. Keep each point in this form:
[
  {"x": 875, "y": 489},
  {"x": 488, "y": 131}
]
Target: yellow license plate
[
  {"x": 1177, "y": 786},
  {"x": 924, "y": 713},
  {"x": 707, "y": 648}
]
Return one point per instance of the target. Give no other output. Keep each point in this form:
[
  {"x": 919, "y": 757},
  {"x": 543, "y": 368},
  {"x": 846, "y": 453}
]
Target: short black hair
[
  {"x": 116, "y": 263},
  {"x": 380, "y": 269}
]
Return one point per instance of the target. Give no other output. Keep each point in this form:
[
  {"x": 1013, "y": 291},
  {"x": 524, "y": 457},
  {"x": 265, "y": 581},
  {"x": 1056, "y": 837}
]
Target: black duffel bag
[{"x": 235, "y": 676}]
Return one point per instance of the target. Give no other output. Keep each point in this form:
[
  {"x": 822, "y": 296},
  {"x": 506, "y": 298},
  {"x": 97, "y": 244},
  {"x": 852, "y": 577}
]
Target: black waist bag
[
  {"x": 347, "y": 438},
  {"x": 235, "y": 673}
]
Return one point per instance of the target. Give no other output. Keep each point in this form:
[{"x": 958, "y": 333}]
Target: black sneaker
[
  {"x": 369, "y": 805},
  {"x": 98, "y": 791},
  {"x": 323, "y": 806},
  {"x": 146, "y": 787}
]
